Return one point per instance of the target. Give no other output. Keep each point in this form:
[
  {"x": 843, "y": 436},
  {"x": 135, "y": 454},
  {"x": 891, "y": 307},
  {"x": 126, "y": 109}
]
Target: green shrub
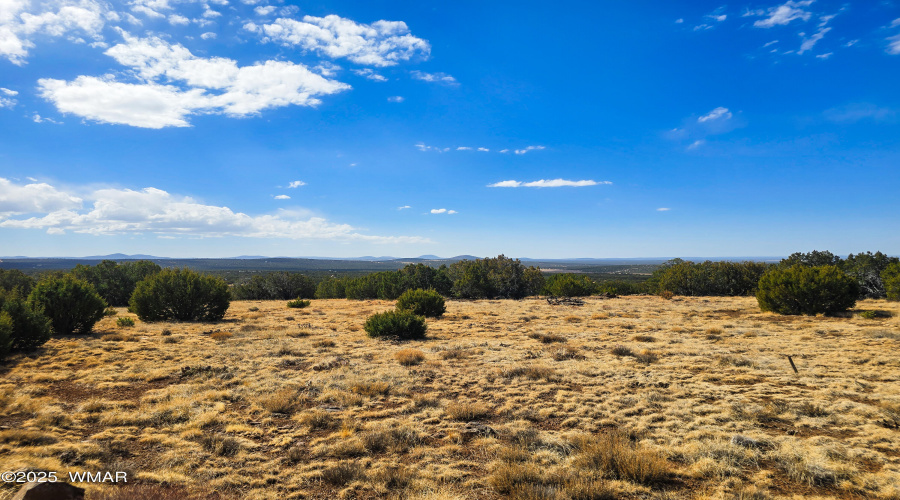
[
  {"x": 493, "y": 278},
  {"x": 426, "y": 303},
  {"x": 30, "y": 327},
  {"x": 279, "y": 285},
  {"x": 806, "y": 290},
  {"x": 402, "y": 324},
  {"x": 124, "y": 322},
  {"x": 13, "y": 279},
  {"x": 891, "y": 279},
  {"x": 115, "y": 282},
  {"x": 332, "y": 288},
  {"x": 73, "y": 305},
  {"x": 6, "y": 333},
  {"x": 569, "y": 285},
  {"x": 298, "y": 304},
  {"x": 180, "y": 295}
]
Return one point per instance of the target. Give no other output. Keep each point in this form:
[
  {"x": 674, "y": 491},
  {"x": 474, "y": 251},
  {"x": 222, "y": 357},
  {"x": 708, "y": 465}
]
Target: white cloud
[
  {"x": 404, "y": 207},
  {"x": 679, "y": 21},
  {"x": 529, "y": 148},
  {"x": 151, "y": 210},
  {"x": 282, "y": 197},
  {"x": 809, "y": 43},
  {"x": 851, "y": 43},
  {"x": 244, "y": 90},
  {"x": 894, "y": 45},
  {"x": 8, "y": 92},
  {"x": 6, "y": 98},
  {"x": 547, "y": 183},
  {"x": 423, "y": 147},
  {"x": 696, "y": 144},
  {"x": 773, "y": 42},
  {"x": 21, "y": 21},
  {"x": 463, "y": 148},
  {"x": 504, "y": 151},
  {"x": 484, "y": 150},
  {"x": 716, "y": 114},
  {"x": 264, "y": 11},
  {"x": 327, "y": 69},
  {"x": 371, "y": 75},
  {"x": 442, "y": 78},
  {"x": 825, "y": 56},
  {"x": 38, "y": 119},
  {"x": 382, "y": 43},
  {"x": 395, "y": 98},
  {"x": 208, "y": 35},
  {"x": 176, "y": 19},
  {"x": 296, "y": 184},
  {"x": 663, "y": 209},
  {"x": 859, "y": 111},
  {"x": 443, "y": 211},
  {"x": 37, "y": 197},
  {"x": 784, "y": 14}
]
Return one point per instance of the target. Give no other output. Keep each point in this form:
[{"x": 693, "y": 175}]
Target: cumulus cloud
[
  {"x": 244, "y": 90},
  {"x": 151, "y": 210},
  {"x": 443, "y": 211},
  {"x": 22, "y": 20},
  {"x": 36, "y": 197},
  {"x": 395, "y": 98},
  {"x": 547, "y": 183},
  {"x": 296, "y": 184},
  {"x": 783, "y": 14},
  {"x": 442, "y": 78},
  {"x": 716, "y": 114},
  {"x": 6, "y": 98},
  {"x": 371, "y": 75},
  {"x": 382, "y": 43},
  {"x": 282, "y": 197},
  {"x": 209, "y": 35},
  {"x": 264, "y": 11}
]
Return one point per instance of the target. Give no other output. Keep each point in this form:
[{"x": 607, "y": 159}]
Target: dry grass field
[{"x": 635, "y": 397}]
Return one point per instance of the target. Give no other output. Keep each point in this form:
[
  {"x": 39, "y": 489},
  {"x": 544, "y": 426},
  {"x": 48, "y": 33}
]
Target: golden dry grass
[{"x": 636, "y": 397}]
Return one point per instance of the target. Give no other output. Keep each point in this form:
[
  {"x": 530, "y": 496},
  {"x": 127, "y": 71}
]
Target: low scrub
[
  {"x": 298, "y": 304},
  {"x": 22, "y": 325},
  {"x": 426, "y": 303},
  {"x": 180, "y": 295},
  {"x": 616, "y": 457},
  {"x": 73, "y": 305},
  {"x": 402, "y": 324},
  {"x": 806, "y": 290}
]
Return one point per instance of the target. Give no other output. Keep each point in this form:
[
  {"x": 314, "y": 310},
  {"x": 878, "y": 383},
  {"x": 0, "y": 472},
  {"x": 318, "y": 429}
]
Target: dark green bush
[
  {"x": 115, "y": 282},
  {"x": 493, "y": 278},
  {"x": 73, "y": 305},
  {"x": 569, "y": 285},
  {"x": 719, "y": 278},
  {"x": 891, "y": 279},
  {"x": 298, "y": 303},
  {"x": 124, "y": 322},
  {"x": 6, "y": 333},
  {"x": 402, "y": 324},
  {"x": 426, "y": 303},
  {"x": 867, "y": 268},
  {"x": 806, "y": 290},
  {"x": 332, "y": 288},
  {"x": 281, "y": 285},
  {"x": 30, "y": 327},
  {"x": 180, "y": 295},
  {"x": 13, "y": 279}
]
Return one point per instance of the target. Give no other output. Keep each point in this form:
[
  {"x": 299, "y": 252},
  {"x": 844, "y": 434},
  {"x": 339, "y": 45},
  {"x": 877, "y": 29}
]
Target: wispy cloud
[
  {"x": 443, "y": 211},
  {"x": 441, "y": 78},
  {"x": 663, "y": 209},
  {"x": 547, "y": 183},
  {"x": 396, "y": 98},
  {"x": 853, "y": 113},
  {"x": 529, "y": 148},
  {"x": 282, "y": 197},
  {"x": 296, "y": 184},
  {"x": 719, "y": 113},
  {"x": 404, "y": 207},
  {"x": 810, "y": 42},
  {"x": 782, "y": 15},
  {"x": 370, "y": 74}
]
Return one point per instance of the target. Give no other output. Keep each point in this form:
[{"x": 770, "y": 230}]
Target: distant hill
[{"x": 122, "y": 256}]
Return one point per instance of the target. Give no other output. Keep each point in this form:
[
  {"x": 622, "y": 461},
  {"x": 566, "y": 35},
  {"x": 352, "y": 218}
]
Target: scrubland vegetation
[{"x": 663, "y": 395}]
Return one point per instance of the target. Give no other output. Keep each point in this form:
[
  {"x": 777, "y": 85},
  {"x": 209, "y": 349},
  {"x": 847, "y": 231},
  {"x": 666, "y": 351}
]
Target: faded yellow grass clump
[{"x": 636, "y": 397}]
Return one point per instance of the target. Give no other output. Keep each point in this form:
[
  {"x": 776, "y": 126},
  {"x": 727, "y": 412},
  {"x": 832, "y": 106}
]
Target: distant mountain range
[{"x": 421, "y": 258}]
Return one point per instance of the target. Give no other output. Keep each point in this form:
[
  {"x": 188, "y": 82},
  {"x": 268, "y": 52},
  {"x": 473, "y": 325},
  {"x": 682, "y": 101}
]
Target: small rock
[
  {"x": 480, "y": 429},
  {"x": 49, "y": 491},
  {"x": 747, "y": 442}
]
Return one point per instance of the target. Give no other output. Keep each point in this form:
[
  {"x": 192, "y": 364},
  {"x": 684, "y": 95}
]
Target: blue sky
[{"x": 581, "y": 129}]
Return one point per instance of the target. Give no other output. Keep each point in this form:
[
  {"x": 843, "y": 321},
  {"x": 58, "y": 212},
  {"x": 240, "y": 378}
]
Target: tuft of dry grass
[
  {"x": 466, "y": 411},
  {"x": 409, "y": 356},
  {"x": 614, "y": 456},
  {"x": 546, "y": 338},
  {"x": 620, "y": 350},
  {"x": 221, "y": 335}
]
